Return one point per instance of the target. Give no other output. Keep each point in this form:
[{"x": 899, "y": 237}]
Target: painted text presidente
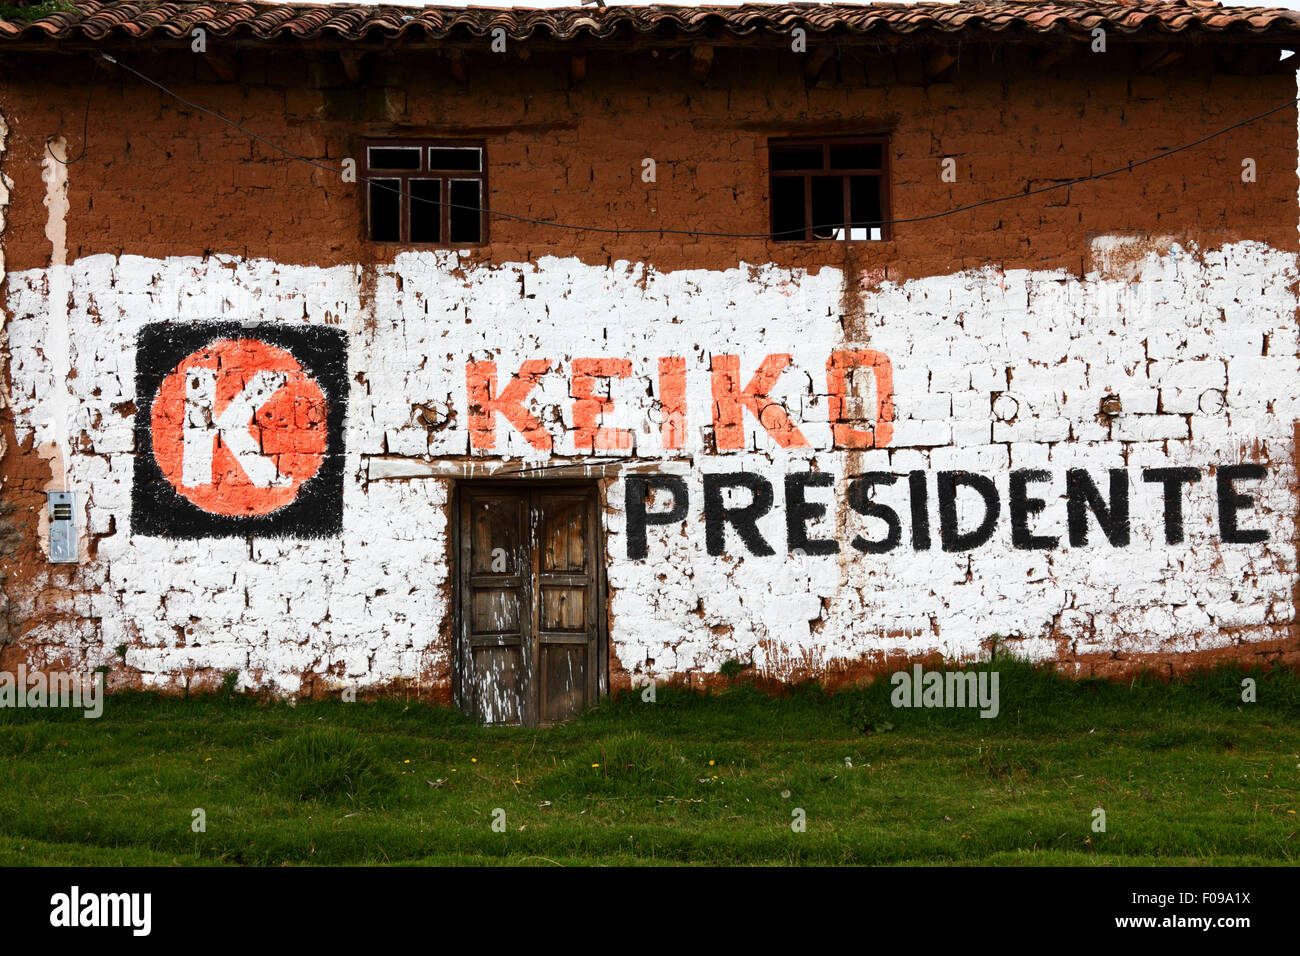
[{"x": 1086, "y": 505}]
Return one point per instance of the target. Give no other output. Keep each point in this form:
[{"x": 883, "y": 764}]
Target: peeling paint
[{"x": 371, "y": 606}]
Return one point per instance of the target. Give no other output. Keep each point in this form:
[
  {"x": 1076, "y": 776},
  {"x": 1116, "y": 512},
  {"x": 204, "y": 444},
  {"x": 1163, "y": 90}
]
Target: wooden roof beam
[
  {"x": 815, "y": 61},
  {"x": 1158, "y": 59},
  {"x": 938, "y": 64},
  {"x": 701, "y": 62},
  {"x": 224, "y": 66},
  {"x": 1046, "y": 59},
  {"x": 351, "y": 60},
  {"x": 459, "y": 68}
]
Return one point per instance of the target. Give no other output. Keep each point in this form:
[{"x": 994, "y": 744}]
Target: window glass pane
[
  {"x": 864, "y": 200},
  {"x": 828, "y": 206},
  {"x": 786, "y": 158},
  {"x": 393, "y": 157},
  {"x": 385, "y": 210},
  {"x": 426, "y": 210},
  {"x": 856, "y": 156},
  {"x": 455, "y": 157},
  {"x": 787, "y": 208},
  {"x": 465, "y": 210}
]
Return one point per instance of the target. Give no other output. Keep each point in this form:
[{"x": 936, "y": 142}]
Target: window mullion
[
  {"x": 482, "y": 206},
  {"x": 807, "y": 209},
  {"x": 846, "y": 213},
  {"x": 403, "y": 186},
  {"x": 444, "y": 211}
]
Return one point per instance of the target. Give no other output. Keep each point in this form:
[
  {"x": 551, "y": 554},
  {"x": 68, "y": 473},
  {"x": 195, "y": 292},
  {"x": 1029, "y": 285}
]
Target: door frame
[{"x": 596, "y": 509}]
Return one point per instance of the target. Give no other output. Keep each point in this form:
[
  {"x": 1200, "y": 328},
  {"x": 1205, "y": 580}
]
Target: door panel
[
  {"x": 494, "y": 611},
  {"x": 564, "y": 667},
  {"x": 566, "y": 621},
  {"x": 564, "y": 609},
  {"x": 563, "y": 533},
  {"x": 529, "y": 602},
  {"x": 497, "y": 533},
  {"x": 495, "y": 654},
  {"x": 497, "y": 675}
]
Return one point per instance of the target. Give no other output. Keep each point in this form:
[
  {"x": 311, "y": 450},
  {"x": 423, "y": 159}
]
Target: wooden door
[
  {"x": 495, "y": 577},
  {"x": 530, "y": 598}
]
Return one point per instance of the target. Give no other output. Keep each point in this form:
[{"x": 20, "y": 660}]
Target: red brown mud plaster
[
  {"x": 563, "y": 152},
  {"x": 1142, "y": 325}
]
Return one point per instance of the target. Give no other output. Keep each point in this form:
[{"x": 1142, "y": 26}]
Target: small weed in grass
[
  {"x": 732, "y": 668},
  {"x": 631, "y": 763},
  {"x": 31, "y": 12},
  {"x": 322, "y": 763}
]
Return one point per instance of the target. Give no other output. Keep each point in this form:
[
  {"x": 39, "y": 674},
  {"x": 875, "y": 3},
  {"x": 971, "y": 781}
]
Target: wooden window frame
[
  {"x": 444, "y": 176},
  {"x": 826, "y": 142}
]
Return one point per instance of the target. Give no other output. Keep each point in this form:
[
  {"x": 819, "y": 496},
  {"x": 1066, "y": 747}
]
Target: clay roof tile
[{"x": 102, "y": 20}]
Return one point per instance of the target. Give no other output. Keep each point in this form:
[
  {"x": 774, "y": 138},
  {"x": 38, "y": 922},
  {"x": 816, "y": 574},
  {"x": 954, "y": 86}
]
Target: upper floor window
[
  {"x": 426, "y": 191},
  {"x": 833, "y": 187}
]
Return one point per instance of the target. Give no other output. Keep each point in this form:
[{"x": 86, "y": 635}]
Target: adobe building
[{"x": 511, "y": 356}]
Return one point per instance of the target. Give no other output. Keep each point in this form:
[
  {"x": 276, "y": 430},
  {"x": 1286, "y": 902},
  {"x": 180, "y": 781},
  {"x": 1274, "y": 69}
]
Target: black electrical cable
[{"x": 85, "y": 120}]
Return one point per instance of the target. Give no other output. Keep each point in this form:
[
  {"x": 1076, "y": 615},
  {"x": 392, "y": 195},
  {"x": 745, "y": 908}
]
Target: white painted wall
[{"x": 1159, "y": 333}]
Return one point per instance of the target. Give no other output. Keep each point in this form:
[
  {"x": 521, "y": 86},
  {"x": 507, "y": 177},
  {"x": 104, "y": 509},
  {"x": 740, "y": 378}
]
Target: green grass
[
  {"x": 31, "y": 12},
  {"x": 1186, "y": 772}
]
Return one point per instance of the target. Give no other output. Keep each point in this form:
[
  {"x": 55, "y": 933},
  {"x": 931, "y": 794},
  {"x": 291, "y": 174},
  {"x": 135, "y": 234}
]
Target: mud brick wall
[{"x": 1063, "y": 355}]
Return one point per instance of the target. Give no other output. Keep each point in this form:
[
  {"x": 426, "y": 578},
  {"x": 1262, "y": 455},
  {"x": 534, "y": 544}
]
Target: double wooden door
[{"x": 531, "y": 602}]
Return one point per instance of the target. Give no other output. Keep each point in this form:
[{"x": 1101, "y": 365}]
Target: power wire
[
  {"x": 615, "y": 230},
  {"x": 85, "y": 120}
]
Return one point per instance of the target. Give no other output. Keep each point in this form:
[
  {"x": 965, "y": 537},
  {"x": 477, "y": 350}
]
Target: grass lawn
[{"x": 1185, "y": 772}]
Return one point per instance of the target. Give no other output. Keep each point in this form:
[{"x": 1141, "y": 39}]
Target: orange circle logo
[{"x": 238, "y": 426}]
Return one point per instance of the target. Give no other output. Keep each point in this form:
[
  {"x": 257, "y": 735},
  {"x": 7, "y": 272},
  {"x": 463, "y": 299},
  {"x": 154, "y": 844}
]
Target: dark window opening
[
  {"x": 827, "y": 206},
  {"x": 426, "y": 211},
  {"x": 464, "y": 202},
  {"x": 429, "y": 192},
  {"x": 856, "y": 156},
  {"x": 456, "y": 157},
  {"x": 788, "y": 219},
  {"x": 393, "y": 157},
  {"x": 829, "y": 188},
  {"x": 386, "y": 210},
  {"x": 789, "y": 158}
]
